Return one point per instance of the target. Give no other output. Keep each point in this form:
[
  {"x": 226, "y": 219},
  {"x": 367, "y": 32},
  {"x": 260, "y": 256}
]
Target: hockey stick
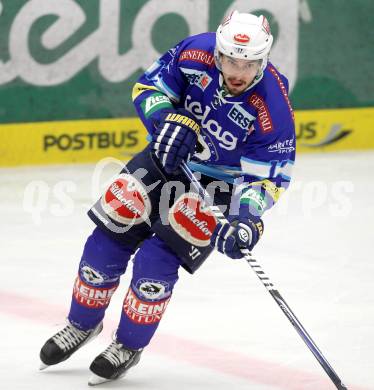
[{"x": 269, "y": 285}]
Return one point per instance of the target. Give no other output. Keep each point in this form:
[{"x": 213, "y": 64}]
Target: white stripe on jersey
[
  {"x": 255, "y": 168},
  {"x": 264, "y": 170}
]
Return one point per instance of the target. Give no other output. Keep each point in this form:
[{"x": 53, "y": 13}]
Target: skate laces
[
  {"x": 117, "y": 354},
  {"x": 70, "y": 337}
]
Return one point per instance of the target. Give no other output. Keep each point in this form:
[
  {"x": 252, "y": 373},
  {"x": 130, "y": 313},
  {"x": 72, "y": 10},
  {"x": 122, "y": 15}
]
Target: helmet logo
[{"x": 241, "y": 38}]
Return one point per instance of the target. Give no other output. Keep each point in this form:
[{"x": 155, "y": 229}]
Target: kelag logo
[
  {"x": 90, "y": 141},
  {"x": 310, "y": 131},
  {"x": 90, "y": 50},
  {"x": 38, "y": 67}
]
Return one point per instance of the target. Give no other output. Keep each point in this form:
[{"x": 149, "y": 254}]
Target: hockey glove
[
  {"x": 241, "y": 233},
  {"x": 174, "y": 139}
]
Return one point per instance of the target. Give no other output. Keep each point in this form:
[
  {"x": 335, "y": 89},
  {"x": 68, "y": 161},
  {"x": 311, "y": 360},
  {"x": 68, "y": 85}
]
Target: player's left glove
[
  {"x": 230, "y": 238},
  {"x": 174, "y": 139}
]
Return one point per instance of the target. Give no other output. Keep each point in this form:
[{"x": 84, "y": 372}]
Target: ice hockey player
[{"x": 215, "y": 101}]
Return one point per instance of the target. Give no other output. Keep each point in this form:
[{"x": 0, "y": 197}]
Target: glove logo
[
  {"x": 126, "y": 201},
  {"x": 192, "y": 220},
  {"x": 243, "y": 235},
  {"x": 184, "y": 120}
]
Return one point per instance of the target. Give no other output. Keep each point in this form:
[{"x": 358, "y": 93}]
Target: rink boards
[{"x": 84, "y": 141}]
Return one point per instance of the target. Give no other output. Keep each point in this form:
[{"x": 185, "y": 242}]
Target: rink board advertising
[
  {"x": 91, "y": 140},
  {"x": 68, "y": 67},
  {"x": 70, "y": 141}
]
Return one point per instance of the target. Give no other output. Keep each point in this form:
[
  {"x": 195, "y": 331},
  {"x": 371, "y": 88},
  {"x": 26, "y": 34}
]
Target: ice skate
[
  {"x": 113, "y": 363},
  {"x": 64, "y": 343}
]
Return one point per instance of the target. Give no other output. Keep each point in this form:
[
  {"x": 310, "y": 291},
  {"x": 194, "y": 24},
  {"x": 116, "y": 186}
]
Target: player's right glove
[
  {"x": 174, "y": 139},
  {"x": 241, "y": 233}
]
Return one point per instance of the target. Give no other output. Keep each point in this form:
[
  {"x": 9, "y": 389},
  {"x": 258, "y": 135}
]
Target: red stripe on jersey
[
  {"x": 283, "y": 89},
  {"x": 263, "y": 112}
]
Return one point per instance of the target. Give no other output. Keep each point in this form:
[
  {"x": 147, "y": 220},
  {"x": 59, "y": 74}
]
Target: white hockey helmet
[{"x": 244, "y": 36}]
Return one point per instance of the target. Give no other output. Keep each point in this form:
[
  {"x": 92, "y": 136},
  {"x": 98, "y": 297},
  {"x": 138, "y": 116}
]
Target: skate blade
[
  {"x": 95, "y": 380},
  {"x": 43, "y": 366}
]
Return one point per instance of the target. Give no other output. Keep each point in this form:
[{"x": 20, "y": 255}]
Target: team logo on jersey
[
  {"x": 241, "y": 38},
  {"x": 195, "y": 77},
  {"x": 152, "y": 289},
  {"x": 192, "y": 220},
  {"x": 126, "y": 201},
  {"x": 205, "y": 149}
]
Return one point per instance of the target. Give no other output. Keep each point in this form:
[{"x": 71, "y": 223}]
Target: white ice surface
[{"x": 222, "y": 329}]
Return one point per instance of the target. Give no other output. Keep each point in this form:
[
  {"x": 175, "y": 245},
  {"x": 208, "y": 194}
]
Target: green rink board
[{"x": 66, "y": 59}]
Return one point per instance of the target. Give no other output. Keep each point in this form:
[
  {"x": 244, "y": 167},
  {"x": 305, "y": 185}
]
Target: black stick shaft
[{"x": 269, "y": 286}]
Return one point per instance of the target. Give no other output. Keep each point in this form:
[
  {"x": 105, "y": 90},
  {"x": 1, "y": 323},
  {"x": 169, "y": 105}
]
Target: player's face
[{"x": 238, "y": 74}]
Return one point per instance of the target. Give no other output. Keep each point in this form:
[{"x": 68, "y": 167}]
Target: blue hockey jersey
[{"x": 247, "y": 139}]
